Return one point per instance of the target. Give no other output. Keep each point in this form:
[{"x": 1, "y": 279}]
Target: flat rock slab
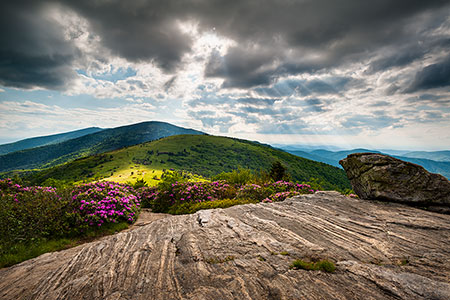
[
  {"x": 382, "y": 251},
  {"x": 146, "y": 216}
]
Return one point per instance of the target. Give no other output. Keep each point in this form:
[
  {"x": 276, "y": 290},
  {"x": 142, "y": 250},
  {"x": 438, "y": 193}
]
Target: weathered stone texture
[
  {"x": 382, "y": 251},
  {"x": 381, "y": 177}
]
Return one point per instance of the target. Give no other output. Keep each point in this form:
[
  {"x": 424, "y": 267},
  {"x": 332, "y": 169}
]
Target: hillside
[
  {"x": 432, "y": 155},
  {"x": 333, "y": 158},
  {"x": 199, "y": 154},
  {"x": 46, "y": 140},
  {"x": 99, "y": 142}
]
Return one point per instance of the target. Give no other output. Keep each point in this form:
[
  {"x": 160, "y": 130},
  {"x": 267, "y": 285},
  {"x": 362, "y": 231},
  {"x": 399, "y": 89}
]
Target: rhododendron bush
[
  {"x": 28, "y": 213},
  {"x": 104, "y": 202},
  {"x": 32, "y": 213},
  {"x": 196, "y": 192}
]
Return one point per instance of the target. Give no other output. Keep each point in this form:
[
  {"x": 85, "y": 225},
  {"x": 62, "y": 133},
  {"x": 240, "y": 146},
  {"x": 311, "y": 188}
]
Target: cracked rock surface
[{"x": 381, "y": 250}]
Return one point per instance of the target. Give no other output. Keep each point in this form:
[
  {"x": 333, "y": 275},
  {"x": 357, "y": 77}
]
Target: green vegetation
[
  {"x": 237, "y": 176},
  {"x": 46, "y": 140},
  {"x": 219, "y": 260},
  {"x": 322, "y": 265},
  {"x": 22, "y": 251},
  {"x": 204, "y": 155},
  {"x": 95, "y": 143},
  {"x": 278, "y": 172},
  {"x": 35, "y": 220},
  {"x": 190, "y": 208}
]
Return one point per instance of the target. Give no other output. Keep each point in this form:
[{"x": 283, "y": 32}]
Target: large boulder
[{"x": 381, "y": 177}]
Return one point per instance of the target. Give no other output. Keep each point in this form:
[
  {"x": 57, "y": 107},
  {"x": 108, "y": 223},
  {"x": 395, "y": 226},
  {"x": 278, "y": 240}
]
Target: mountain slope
[
  {"x": 99, "y": 142},
  {"x": 46, "y": 140},
  {"x": 432, "y": 155},
  {"x": 199, "y": 154},
  {"x": 333, "y": 158}
]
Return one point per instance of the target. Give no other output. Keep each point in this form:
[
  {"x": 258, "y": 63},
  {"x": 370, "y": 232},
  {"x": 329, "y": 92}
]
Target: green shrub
[
  {"x": 30, "y": 213},
  {"x": 278, "y": 172},
  {"x": 322, "y": 265},
  {"x": 239, "y": 176}
]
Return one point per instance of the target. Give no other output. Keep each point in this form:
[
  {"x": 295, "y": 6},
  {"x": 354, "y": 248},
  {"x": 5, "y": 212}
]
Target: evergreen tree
[{"x": 277, "y": 171}]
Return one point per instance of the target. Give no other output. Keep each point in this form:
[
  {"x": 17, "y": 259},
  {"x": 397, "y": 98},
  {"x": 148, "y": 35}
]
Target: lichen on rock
[{"x": 382, "y": 177}]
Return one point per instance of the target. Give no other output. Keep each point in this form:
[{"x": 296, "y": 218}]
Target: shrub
[
  {"x": 140, "y": 183},
  {"x": 278, "y": 171},
  {"x": 239, "y": 176},
  {"x": 253, "y": 191},
  {"x": 147, "y": 196},
  {"x": 105, "y": 202},
  {"x": 322, "y": 265},
  {"x": 29, "y": 213},
  {"x": 191, "y": 192}
]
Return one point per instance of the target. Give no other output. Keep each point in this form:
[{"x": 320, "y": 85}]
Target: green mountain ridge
[
  {"x": 46, "y": 140},
  {"x": 95, "y": 143},
  {"x": 204, "y": 155}
]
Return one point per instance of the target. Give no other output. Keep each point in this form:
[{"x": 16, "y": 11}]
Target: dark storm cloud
[
  {"x": 33, "y": 51},
  {"x": 398, "y": 59},
  {"x": 436, "y": 75},
  {"x": 138, "y": 30},
  {"x": 242, "y": 67},
  {"x": 273, "y": 38},
  {"x": 310, "y": 36}
]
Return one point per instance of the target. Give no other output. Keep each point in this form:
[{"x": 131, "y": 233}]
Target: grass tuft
[
  {"x": 218, "y": 260},
  {"x": 322, "y": 265},
  {"x": 190, "y": 208}
]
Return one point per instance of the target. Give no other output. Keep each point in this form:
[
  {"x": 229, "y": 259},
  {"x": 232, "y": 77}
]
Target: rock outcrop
[
  {"x": 382, "y": 251},
  {"x": 381, "y": 177}
]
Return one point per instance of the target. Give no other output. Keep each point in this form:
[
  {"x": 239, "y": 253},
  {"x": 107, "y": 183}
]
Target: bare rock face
[
  {"x": 382, "y": 251},
  {"x": 381, "y": 177}
]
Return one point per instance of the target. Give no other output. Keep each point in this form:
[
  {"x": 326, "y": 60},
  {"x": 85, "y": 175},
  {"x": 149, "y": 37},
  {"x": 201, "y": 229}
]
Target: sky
[{"x": 348, "y": 73}]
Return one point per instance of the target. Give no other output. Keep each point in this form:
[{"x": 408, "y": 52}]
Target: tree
[{"x": 277, "y": 171}]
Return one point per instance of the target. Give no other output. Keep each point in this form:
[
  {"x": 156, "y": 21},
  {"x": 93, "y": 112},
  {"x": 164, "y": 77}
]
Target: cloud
[
  {"x": 137, "y": 30},
  {"x": 436, "y": 75},
  {"x": 33, "y": 49},
  {"x": 372, "y": 122},
  {"x": 380, "y": 104},
  {"x": 429, "y": 99},
  {"x": 287, "y": 38},
  {"x": 271, "y": 40}
]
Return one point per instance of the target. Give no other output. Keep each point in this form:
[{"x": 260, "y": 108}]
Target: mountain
[
  {"x": 311, "y": 156},
  {"x": 199, "y": 154},
  {"x": 95, "y": 143},
  {"x": 333, "y": 158},
  {"x": 432, "y": 155},
  {"x": 327, "y": 156},
  {"x": 46, "y": 140}
]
